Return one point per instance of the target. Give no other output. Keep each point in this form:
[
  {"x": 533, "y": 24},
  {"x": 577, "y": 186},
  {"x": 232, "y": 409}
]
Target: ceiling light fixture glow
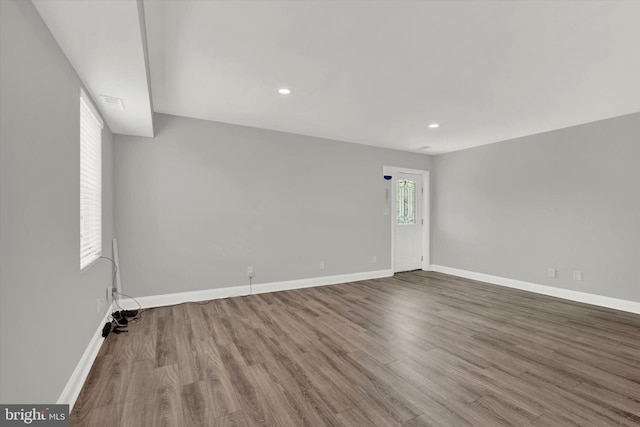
[
  {"x": 285, "y": 91},
  {"x": 434, "y": 125}
]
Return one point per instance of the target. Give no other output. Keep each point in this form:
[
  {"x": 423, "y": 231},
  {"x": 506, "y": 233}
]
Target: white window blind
[{"x": 90, "y": 183}]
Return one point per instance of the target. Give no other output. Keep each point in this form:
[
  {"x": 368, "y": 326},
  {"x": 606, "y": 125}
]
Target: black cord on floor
[
  {"x": 115, "y": 292},
  {"x": 139, "y": 309}
]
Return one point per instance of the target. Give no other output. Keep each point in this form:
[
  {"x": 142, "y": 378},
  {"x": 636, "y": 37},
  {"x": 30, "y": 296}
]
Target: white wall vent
[{"x": 112, "y": 102}]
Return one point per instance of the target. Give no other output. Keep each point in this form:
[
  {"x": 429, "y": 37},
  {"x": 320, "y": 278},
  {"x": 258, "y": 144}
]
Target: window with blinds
[{"x": 90, "y": 183}]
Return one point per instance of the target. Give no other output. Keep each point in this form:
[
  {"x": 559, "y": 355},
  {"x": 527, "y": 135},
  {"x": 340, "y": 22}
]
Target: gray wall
[
  {"x": 567, "y": 199},
  {"x": 47, "y": 307},
  {"x": 202, "y": 201}
]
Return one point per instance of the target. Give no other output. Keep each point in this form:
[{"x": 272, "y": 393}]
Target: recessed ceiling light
[
  {"x": 434, "y": 125},
  {"x": 285, "y": 91}
]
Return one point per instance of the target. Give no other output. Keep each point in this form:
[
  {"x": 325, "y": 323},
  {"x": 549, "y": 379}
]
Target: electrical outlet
[
  {"x": 322, "y": 265},
  {"x": 577, "y": 275},
  {"x": 552, "y": 273},
  {"x": 374, "y": 259},
  {"x": 250, "y": 272}
]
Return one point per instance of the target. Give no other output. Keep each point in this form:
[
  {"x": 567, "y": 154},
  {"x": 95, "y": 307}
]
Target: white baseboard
[
  {"x": 260, "y": 288},
  {"x": 180, "y": 297},
  {"x": 602, "y": 301},
  {"x": 319, "y": 281},
  {"x": 76, "y": 381}
]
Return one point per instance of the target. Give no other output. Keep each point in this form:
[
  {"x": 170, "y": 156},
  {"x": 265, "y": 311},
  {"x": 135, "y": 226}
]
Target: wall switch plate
[
  {"x": 577, "y": 275},
  {"x": 374, "y": 259},
  {"x": 552, "y": 273}
]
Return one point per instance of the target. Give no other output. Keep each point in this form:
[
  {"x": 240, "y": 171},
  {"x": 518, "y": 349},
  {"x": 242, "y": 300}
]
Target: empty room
[{"x": 319, "y": 213}]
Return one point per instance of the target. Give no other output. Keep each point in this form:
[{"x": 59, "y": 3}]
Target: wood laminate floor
[{"x": 417, "y": 349}]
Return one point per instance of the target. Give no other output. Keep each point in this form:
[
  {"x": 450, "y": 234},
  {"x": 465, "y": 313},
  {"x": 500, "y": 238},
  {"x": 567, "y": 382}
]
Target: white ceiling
[
  {"x": 104, "y": 41},
  {"x": 378, "y": 72}
]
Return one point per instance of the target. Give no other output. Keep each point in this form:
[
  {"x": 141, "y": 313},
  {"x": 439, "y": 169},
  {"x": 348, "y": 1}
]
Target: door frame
[{"x": 426, "y": 213}]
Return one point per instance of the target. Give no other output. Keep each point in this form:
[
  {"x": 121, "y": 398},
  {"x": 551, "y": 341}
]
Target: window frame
[{"x": 407, "y": 198}]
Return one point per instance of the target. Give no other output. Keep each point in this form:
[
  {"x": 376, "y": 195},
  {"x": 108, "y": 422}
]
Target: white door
[{"x": 407, "y": 222}]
